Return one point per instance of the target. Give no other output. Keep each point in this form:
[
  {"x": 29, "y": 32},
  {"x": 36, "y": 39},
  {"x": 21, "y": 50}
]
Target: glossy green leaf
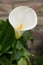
[
  {"x": 2, "y": 28},
  {"x": 22, "y": 61},
  {"x": 27, "y": 53},
  {"x": 19, "y": 45},
  {"x": 18, "y": 54},
  {"x": 7, "y": 38}
]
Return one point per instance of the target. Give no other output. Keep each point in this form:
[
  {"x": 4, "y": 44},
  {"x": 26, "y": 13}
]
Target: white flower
[{"x": 22, "y": 18}]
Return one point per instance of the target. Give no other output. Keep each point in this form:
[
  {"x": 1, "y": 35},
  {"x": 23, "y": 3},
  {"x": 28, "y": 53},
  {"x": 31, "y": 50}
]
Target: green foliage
[
  {"x": 14, "y": 51},
  {"x": 18, "y": 54},
  {"x": 22, "y": 61},
  {"x": 7, "y": 36}
]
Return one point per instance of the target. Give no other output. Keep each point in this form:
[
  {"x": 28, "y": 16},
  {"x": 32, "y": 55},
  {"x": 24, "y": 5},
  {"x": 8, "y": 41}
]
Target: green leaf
[
  {"x": 4, "y": 60},
  {"x": 7, "y": 38},
  {"x": 39, "y": 61},
  {"x": 2, "y": 31},
  {"x": 22, "y": 61},
  {"x": 27, "y": 53},
  {"x": 2, "y": 24},
  {"x": 18, "y": 54},
  {"x": 27, "y": 35},
  {"x": 19, "y": 45}
]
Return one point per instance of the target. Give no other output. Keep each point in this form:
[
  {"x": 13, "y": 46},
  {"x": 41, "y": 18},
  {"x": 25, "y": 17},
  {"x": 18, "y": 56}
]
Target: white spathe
[{"x": 23, "y": 15}]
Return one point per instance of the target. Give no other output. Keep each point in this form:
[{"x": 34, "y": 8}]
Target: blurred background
[{"x": 7, "y": 5}]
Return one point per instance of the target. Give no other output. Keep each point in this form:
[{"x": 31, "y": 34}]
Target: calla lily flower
[{"x": 22, "y": 18}]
